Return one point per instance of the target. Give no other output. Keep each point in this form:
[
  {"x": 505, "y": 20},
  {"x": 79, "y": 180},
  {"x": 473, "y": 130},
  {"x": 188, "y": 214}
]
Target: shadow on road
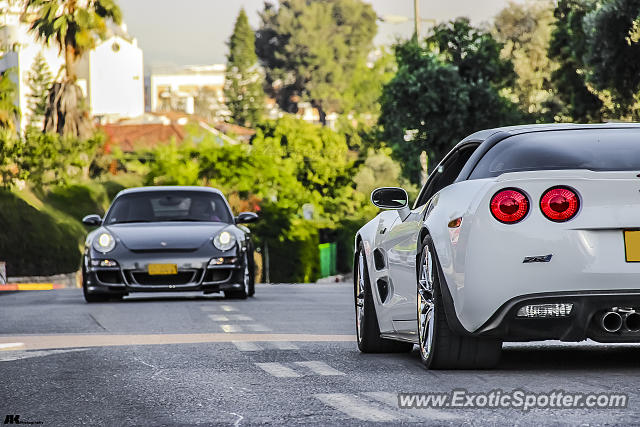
[{"x": 601, "y": 357}]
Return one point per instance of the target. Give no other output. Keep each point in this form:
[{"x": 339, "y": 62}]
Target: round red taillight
[
  {"x": 509, "y": 206},
  {"x": 559, "y": 204}
]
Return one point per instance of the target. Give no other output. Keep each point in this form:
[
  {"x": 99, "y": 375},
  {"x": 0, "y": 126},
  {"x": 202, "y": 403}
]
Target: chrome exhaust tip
[
  {"x": 611, "y": 321},
  {"x": 632, "y": 321}
]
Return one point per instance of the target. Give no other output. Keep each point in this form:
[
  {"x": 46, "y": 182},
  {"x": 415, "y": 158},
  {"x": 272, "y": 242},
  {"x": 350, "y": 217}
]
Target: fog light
[
  {"x": 104, "y": 263},
  {"x": 223, "y": 260},
  {"x": 545, "y": 310}
]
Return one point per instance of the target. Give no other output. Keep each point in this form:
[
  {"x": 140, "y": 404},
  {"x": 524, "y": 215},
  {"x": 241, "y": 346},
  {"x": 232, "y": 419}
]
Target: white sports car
[{"x": 521, "y": 233}]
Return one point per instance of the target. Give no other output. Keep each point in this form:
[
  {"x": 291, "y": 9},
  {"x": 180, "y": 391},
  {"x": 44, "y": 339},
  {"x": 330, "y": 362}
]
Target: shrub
[
  {"x": 79, "y": 200},
  {"x": 37, "y": 242}
]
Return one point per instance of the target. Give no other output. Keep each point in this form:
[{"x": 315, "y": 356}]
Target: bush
[
  {"x": 35, "y": 242},
  {"x": 79, "y": 200},
  {"x": 345, "y": 236},
  {"x": 295, "y": 260}
]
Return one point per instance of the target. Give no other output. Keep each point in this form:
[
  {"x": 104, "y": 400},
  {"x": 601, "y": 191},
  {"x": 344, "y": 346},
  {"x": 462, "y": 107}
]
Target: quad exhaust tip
[
  {"x": 611, "y": 321},
  {"x": 614, "y": 320},
  {"x": 632, "y": 321}
]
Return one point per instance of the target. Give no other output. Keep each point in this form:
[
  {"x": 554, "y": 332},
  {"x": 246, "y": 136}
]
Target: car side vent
[
  {"x": 383, "y": 288},
  {"x": 378, "y": 259}
]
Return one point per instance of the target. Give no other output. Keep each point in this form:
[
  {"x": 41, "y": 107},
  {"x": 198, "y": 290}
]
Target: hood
[{"x": 165, "y": 236}]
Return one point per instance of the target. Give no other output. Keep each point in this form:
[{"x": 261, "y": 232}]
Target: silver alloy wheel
[
  {"x": 426, "y": 312},
  {"x": 359, "y": 297},
  {"x": 246, "y": 274}
]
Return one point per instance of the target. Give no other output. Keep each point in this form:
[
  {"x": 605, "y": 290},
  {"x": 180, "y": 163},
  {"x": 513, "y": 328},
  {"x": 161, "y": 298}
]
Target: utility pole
[{"x": 416, "y": 18}]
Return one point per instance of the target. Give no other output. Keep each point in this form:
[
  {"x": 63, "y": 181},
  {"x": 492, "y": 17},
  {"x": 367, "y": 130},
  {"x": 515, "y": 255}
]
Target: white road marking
[
  {"x": 11, "y": 346},
  {"x": 238, "y": 317},
  {"x": 228, "y": 317},
  {"x": 278, "y": 370},
  {"x": 241, "y": 328},
  {"x": 226, "y": 308},
  {"x": 319, "y": 368},
  {"x": 284, "y": 345},
  {"x": 246, "y": 346},
  {"x": 391, "y": 399},
  {"x": 258, "y": 328},
  {"x": 357, "y": 408},
  {"x": 10, "y": 356}
]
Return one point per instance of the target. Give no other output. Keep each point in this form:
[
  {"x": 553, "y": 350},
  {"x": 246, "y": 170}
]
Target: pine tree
[
  {"x": 39, "y": 80},
  {"x": 243, "y": 80}
]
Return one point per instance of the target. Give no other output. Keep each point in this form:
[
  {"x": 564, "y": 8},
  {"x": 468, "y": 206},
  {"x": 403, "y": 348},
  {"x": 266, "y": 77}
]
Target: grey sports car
[{"x": 168, "y": 239}]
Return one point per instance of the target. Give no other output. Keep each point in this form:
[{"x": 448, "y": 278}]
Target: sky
[{"x": 194, "y": 32}]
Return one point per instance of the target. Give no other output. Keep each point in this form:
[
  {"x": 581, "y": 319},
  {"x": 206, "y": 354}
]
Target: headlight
[
  {"x": 104, "y": 243},
  {"x": 224, "y": 241}
]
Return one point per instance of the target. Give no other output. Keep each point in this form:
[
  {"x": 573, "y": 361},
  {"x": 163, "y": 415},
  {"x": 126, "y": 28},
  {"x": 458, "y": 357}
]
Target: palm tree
[{"x": 74, "y": 26}]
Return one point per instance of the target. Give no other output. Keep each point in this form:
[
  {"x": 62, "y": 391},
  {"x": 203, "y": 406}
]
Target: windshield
[
  {"x": 596, "y": 150},
  {"x": 160, "y": 206}
]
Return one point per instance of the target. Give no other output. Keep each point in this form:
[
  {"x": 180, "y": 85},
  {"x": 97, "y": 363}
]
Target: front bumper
[
  {"x": 580, "y": 324},
  {"x": 193, "y": 275}
]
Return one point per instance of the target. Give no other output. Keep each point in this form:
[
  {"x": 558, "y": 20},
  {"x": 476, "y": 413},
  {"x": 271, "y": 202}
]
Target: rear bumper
[{"x": 580, "y": 324}]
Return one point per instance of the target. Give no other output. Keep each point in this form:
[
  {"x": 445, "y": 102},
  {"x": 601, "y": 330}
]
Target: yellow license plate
[
  {"x": 632, "y": 245},
  {"x": 162, "y": 269}
]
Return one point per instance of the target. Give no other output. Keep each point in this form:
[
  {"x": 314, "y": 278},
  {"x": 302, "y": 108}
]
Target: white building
[
  {"x": 111, "y": 75},
  {"x": 178, "y": 89}
]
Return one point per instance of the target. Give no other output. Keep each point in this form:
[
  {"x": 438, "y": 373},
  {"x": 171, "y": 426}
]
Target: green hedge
[
  {"x": 37, "y": 242},
  {"x": 294, "y": 261},
  {"x": 79, "y": 200},
  {"x": 345, "y": 236}
]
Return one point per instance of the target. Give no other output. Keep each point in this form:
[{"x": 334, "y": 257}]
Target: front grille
[{"x": 182, "y": 278}]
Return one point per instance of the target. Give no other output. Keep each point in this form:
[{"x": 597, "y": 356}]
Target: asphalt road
[{"x": 287, "y": 356}]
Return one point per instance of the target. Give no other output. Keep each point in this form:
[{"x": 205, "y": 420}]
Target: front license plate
[
  {"x": 162, "y": 269},
  {"x": 632, "y": 245}
]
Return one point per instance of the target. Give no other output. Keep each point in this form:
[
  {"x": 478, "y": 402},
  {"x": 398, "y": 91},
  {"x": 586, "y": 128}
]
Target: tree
[
  {"x": 568, "y": 48},
  {"x": 363, "y": 94},
  {"x": 444, "y": 91},
  {"x": 39, "y": 80},
  {"x": 74, "y": 26},
  {"x": 612, "y": 51},
  {"x": 312, "y": 49},
  {"x": 243, "y": 80},
  {"x": 9, "y": 111},
  {"x": 525, "y": 30}
]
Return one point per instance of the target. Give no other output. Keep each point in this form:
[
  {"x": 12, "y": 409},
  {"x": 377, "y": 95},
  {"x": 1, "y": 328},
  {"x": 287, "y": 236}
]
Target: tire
[
  {"x": 247, "y": 279},
  {"x": 367, "y": 328},
  {"x": 252, "y": 275},
  {"x": 439, "y": 346},
  {"x": 91, "y": 297}
]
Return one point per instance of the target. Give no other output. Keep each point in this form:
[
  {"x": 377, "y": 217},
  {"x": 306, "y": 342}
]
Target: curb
[{"x": 31, "y": 287}]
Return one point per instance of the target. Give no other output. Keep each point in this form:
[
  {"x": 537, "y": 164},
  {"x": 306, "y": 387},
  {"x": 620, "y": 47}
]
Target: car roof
[
  {"x": 528, "y": 128},
  {"x": 150, "y": 189}
]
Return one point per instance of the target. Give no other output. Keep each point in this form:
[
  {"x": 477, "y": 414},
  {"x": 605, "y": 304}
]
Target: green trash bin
[{"x": 328, "y": 259}]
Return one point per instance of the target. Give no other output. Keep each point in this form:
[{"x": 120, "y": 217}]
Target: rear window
[
  {"x": 160, "y": 206},
  {"x": 596, "y": 150}
]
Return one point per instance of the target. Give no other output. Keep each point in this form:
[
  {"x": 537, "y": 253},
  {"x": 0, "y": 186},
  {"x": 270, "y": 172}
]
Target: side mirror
[
  {"x": 390, "y": 198},
  {"x": 246, "y": 217},
  {"x": 92, "y": 220}
]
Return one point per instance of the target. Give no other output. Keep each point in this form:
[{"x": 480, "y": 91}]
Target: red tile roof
[{"x": 132, "y": 137}]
